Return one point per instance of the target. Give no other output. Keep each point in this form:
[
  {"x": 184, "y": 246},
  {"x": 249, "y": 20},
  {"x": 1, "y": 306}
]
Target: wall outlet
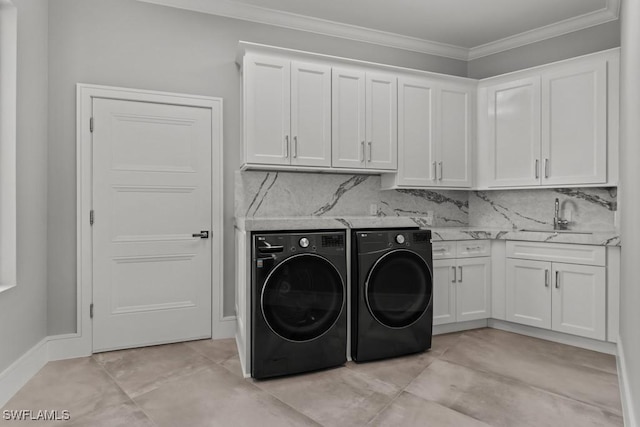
[
  {"x": 373, "y": 209},
  {"x": 430, "y": 218}
]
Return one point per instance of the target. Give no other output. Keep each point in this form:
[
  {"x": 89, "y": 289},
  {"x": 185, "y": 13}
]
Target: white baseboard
[
  {"x": 626, "y": 397},
  {"x": 225, "y": 328},
  {"x": 460, "y": 326},
  {"x": 22, "y": 370},
  {"x": 68, "y": 346},
  {"x": 559, "y": 337}
]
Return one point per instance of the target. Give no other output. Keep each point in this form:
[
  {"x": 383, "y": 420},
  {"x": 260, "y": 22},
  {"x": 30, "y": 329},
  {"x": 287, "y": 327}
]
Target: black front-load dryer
[
  {"x": 392, "y": 304},
  {"x": 299, "y": 320}
]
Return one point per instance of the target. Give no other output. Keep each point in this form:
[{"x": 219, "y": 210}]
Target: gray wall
[
  {"x": 630, "y": 178},
  {"x": 133, "y": 44},
  {"x": 589, "y": 40},
  {"x": 23, "y": 309}
]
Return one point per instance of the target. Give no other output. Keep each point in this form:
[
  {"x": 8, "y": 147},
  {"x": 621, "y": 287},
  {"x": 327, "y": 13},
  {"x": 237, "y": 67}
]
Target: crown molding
[
  {"x": 249, "y": 12},
  {"x": 610, "y": 13}
]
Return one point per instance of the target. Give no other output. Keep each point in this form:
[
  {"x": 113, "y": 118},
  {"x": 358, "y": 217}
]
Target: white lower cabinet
[
  {"x": 461, "y": 287},
  {"x": 563, "y": 297}
]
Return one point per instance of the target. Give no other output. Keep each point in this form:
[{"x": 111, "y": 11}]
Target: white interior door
[{"x": 151, "y": 192}]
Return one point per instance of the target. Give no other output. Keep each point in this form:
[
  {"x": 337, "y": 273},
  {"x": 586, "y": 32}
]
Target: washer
[
  {"x": 299, "y": 320},
  {"x": 392, "y": 293}
]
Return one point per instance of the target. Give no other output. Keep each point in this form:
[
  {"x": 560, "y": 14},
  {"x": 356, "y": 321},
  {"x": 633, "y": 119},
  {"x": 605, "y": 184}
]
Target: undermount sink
[{"x": 539, "y": 230}]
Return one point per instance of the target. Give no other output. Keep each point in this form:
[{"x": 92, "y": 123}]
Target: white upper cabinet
[
  {"x": 365, "y": 120},
  {"x": 435, "y": 134},
  {"x": 382, "y": 121},
  {"x": 310, "y": 114},
  {"x": 574, "y": 123},
  {"x": 348, "y": 113},
  {"x": 416, "y": 142},
  {"x": 267, "y": 110},
  {"x": 554, "y": 125},
  {"x": 455, "y": 129},
  {"x": 514, "y": 132},
  {"x": 287, "y": 112}
]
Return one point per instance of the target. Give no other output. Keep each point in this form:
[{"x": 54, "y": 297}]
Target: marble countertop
[{"x": 600, "y": 238}]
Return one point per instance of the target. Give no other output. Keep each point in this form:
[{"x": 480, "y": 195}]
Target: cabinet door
[
  {"x": 310, "y": 114},
  {"x": 528, "y": 292},
  {"x": 382, "y": 121},
  {"x": 473, "y": 289},
  {"x": 416, "y": 149},
  {"x": 444, "y": 291},
  {"x": 514, "y": 132},
  {"x": 574, "y": 123},
  {"x": 348, "y": 118},
  {"x": 267, "y": 111},
  {"x": 579, "y": 300},
  {"x": 455, "y": 130}
]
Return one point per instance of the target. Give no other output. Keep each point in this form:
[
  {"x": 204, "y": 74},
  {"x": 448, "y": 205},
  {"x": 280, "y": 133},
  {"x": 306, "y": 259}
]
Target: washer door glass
[
  {"x": 398, "y": 289},
  {"x": 302, "y": 297}
]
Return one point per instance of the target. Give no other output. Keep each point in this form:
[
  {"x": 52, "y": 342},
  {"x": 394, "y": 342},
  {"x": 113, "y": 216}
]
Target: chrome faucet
[{"x": 558, "y": 223}]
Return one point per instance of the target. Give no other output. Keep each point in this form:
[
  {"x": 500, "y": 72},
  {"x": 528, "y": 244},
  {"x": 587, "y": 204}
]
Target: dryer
[
  {"x": 391, "y": 293},
  {"x": 299, "y": 320}
]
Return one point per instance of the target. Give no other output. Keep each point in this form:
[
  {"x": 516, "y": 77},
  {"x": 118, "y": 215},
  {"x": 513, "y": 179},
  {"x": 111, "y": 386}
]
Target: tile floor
[{"x": 475, "y": 378}]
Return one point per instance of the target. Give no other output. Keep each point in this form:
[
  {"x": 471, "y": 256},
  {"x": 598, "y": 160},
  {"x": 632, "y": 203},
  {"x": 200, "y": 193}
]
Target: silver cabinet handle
[
  {"x": 440, "y": 171},
  {"x": 537, "y": 168},
  {"x": 295, "y": 147},
  {"x": 370, "y": 155},
  {"x": 363, "y": 155},
  {"x": 557, "y": 279},
  {"x": 202, "y": 235},
  {"x": 460, "y": 278},
  {"x": 454, "y": 275},
  {"x": 440, "y": 250},
  {"x": 546, "y": 168},
  {"x": 475, "y": 248},
  {"x": 546, "y": 278},
  {"x": 435, "y": 171},
  {"x": 286, "y": 147}
]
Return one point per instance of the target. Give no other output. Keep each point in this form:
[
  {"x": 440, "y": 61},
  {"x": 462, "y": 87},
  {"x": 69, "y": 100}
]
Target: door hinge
[
  {"x": 91, "y": 310},
  {"x": 91, "y": 125},
  {"x": 91, "y": 217}
]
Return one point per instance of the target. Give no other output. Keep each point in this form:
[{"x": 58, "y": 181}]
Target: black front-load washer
[
  {"x": 299, "y": 320},
  {"x": 391, "y": 285}
]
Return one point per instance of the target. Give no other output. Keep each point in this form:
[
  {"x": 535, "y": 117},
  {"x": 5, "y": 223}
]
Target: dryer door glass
[
  {"x": 303, "y": 297},
  {"x": 398, "y": 288}
]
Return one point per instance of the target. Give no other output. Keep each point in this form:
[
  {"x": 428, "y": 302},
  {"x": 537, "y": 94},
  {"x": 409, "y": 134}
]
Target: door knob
[{"x": 202, "y": 235}]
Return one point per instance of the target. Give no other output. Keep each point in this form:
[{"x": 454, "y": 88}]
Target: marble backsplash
[
  {"x": 587, "y": 208},
  {"x": 295, "y": 194}
]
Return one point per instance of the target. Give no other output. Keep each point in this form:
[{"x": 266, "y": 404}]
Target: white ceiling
[{"x": 463, "y": 29}]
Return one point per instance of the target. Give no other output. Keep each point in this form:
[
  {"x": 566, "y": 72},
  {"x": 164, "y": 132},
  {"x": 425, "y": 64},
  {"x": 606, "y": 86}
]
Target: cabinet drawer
[
  {"x": 557, "y": 252},
  {"x": 473, "y": 248},
  {"x": 444, "y": 250}
]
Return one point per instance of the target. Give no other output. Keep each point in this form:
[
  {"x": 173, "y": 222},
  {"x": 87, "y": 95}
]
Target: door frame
[{"x": 81, "y": 342}]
